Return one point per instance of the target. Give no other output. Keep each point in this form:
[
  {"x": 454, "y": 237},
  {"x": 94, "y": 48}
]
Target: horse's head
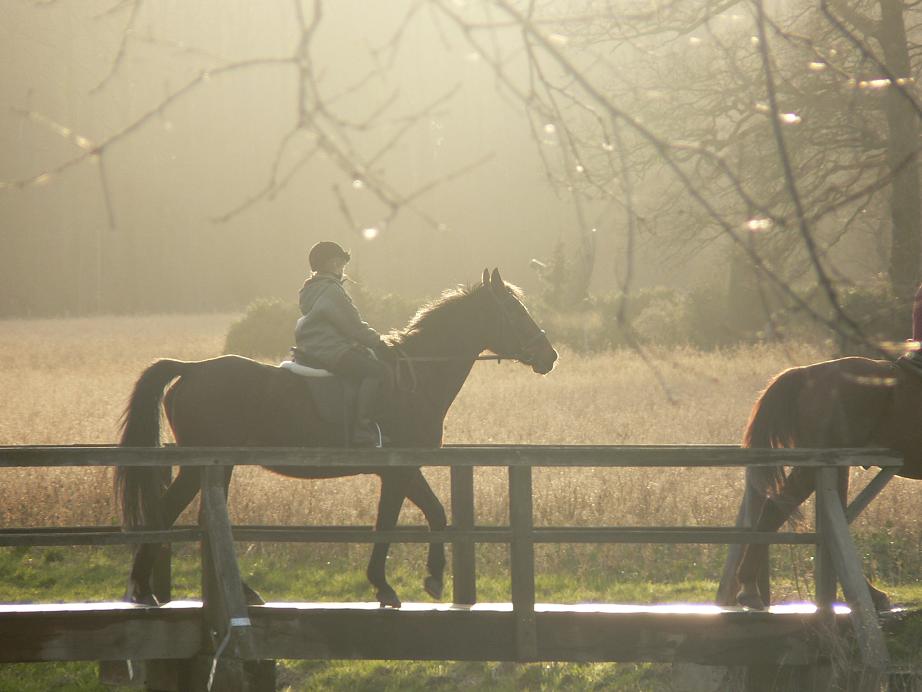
[{"x": 512, "y": 333}]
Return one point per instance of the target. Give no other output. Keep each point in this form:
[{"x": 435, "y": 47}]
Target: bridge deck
[{"x": 703, "y": 634}]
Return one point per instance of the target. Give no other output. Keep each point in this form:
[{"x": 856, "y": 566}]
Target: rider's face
[{"x": 336, "y": 266}]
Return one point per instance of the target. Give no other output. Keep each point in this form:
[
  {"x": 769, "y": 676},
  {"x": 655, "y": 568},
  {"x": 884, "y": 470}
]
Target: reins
[
  {"x": 438, "y": 359},
  {"x": 403, "y": 358}
]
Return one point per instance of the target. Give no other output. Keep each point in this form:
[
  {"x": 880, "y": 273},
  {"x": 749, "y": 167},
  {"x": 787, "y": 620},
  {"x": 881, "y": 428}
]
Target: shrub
[
  {"x": 266, "y": 329},
  {"x": 655, "y": 315},
  {"x": 664, "y": 320},
  {"x": 707, "y": 320},
  {"x": 386, "y": 311},
  {"x": 881, "y": 316}
]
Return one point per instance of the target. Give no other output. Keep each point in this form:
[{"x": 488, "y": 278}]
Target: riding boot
[{"x": 367, "y": 433}]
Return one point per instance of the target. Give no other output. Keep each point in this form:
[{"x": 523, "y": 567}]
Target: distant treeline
[{"x": 657, "y": 316}]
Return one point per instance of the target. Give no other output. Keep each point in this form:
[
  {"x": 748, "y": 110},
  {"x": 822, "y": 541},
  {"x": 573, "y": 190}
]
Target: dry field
[{"x": 66, "y": 381}]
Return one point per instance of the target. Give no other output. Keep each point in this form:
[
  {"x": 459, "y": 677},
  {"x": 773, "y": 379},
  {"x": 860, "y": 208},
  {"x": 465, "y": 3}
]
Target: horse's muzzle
[{"x": 544, "y": 362}]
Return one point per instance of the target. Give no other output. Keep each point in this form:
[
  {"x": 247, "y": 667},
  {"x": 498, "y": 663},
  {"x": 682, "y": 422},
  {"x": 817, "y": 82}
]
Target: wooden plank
[
  {"x": 234, "y": 621},
  {"x": 499, "y": 534},
  {"x": 89, "y": 536},
  {"x": 463, "y": 555},
  {"x": 486, "y": 633},
  {"x": 614, "y": 456},
  {"x": 522, "y": 563},
  {"x": 870, "y": 491},
  {"x": 847, "y": 563},
  {"x": 99, "y": 631},
  {"x": 668, "y": 534},
  {"x": 700, "y": 634}
]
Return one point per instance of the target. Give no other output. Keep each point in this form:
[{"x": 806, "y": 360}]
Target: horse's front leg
[
  {"x": 394, "y": 484},
  {"x": 420, "y": 494},
  {"x": 798, "y": 486}
]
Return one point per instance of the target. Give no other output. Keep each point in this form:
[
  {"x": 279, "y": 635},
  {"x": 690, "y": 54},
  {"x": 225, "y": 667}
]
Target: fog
[
  {"x": 178, "y": 156},
  {"x": 202, "y": 156}
]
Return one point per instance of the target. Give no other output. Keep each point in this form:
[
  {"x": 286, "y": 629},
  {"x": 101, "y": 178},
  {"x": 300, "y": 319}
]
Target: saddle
[{"x": 335, "y": 398}]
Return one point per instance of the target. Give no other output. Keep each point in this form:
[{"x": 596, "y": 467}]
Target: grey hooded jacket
[{"x": 330, "y": 324}]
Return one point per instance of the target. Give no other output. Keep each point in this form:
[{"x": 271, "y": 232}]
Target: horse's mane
[
  {"x": 439, "y": 310},
  {"x": 430, "y": 314}
]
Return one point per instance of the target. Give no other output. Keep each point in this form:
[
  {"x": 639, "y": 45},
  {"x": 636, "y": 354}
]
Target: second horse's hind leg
[
  {"x": 797, "y": 487},
  {"x": 420, "y": 494},
  {"x": 393, "y": 490}
]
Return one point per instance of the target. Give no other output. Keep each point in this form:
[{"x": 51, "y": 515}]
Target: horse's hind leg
[
  {"x": 798, "y": 486},
  {"x": 171, "y": 504},
  {"x": 749, "y": 511},
  {"x": 420, "y": 493},
  {"x": 393, "y": 490}
]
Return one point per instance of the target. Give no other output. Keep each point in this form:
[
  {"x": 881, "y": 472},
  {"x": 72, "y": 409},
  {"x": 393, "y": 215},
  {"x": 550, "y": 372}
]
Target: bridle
[{"x": 523, "y": 347}]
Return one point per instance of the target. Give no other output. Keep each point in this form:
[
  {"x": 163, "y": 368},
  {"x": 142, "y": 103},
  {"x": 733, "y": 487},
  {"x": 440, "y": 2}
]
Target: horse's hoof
[
  {"x": 145, "y": 599},
  {"x": 252, "y": 596},
  {"x": 749, "y": 599},
  {"x": 388, "y": 598},
  {"x": 882, "y": 603},
  {"x": 433, "y": 587}
]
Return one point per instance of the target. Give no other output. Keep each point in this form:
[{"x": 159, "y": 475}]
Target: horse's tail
[
  {"x": 773, "y": 423},
  {"x": 138, "y": 488}
]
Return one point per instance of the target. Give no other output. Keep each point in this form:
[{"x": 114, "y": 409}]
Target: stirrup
[
  {"x": 911, "y": 362},
  {"x": 368, "y": 436}
]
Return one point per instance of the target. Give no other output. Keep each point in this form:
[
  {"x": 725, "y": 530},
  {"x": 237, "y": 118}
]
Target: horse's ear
[
  {"x": 496, "y": 281},
  {"x": 486, "y": 277}
]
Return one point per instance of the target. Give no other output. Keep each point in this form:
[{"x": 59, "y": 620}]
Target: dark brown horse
[
  {"x": 232, "y": 401},
  {"x": 848, "y": 402}
]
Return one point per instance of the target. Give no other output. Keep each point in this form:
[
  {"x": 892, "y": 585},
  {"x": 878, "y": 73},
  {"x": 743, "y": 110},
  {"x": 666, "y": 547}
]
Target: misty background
[
  {"x": 200, "y": 158},
  {"x": 176, "y": 156}
]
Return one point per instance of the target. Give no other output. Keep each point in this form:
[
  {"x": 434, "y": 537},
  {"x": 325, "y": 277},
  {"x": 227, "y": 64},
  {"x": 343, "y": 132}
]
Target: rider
[{"x": 332, "y": 335}]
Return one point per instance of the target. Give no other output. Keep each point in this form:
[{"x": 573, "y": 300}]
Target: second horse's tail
[
  {"x": 772, "y": 424},
  {"x": 138, "y": 488}
]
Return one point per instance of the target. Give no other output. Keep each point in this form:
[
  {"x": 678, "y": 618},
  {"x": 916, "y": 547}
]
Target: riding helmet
[{"x": 326, "y": 250}]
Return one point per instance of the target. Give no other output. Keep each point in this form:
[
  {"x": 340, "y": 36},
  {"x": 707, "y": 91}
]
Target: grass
[
  {"x": 66, "y": 381},
  {"x": 97, "y": 573}
]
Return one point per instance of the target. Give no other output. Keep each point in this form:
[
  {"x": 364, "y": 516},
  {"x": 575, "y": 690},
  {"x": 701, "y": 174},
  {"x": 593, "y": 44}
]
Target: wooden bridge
[{"x": 182, "y": 644}]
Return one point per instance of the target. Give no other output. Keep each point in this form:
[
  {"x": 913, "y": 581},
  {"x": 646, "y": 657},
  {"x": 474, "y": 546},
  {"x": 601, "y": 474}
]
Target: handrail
[
  {"x": 562, "y": 456},
  {"x": 224, "y": 599}
]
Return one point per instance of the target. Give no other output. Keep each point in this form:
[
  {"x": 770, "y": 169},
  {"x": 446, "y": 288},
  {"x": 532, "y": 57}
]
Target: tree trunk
[{"x": 903, "y": 146}]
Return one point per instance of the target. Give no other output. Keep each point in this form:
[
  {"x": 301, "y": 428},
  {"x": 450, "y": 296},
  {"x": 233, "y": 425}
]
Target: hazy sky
[{"x": 213, "y": 148}]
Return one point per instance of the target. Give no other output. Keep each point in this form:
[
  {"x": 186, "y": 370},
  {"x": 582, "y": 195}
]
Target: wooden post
[
  {"x": 225, "y": 604},
  {"x": 463, "y": 558},
  {"x": 824, "y": 567},
  {"x": 847, "y": 563},
  {"x": 522, "y": 563}
]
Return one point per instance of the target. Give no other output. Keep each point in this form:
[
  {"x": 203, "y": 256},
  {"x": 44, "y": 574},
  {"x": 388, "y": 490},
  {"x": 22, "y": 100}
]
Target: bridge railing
[{"x": 838, "y": 559}]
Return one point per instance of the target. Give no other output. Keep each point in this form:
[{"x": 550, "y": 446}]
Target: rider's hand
[{"x": 385, "y": 353}]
